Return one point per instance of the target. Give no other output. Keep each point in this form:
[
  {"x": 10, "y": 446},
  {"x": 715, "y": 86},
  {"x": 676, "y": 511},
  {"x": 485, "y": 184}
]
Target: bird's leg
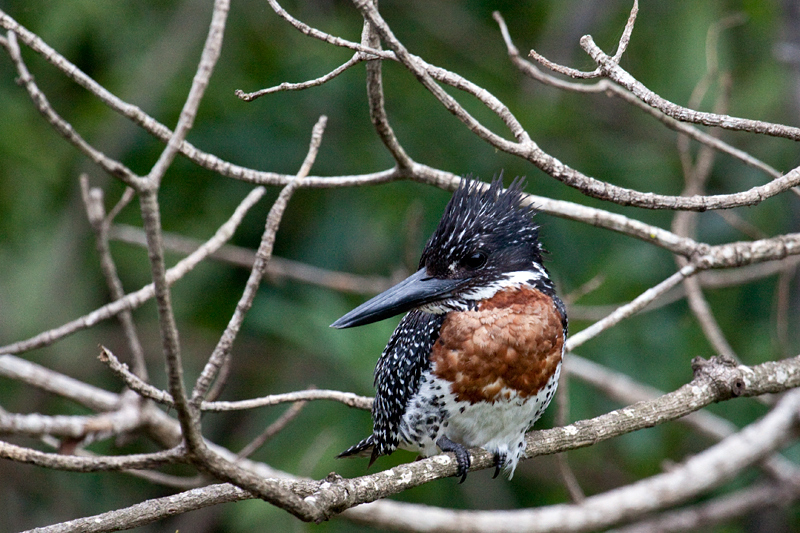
[
  {"x": 462, "y": 455},
  {"x": 499, "y": 462}
]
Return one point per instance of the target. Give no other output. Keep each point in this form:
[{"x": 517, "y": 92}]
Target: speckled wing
[
  {"x": 397, "y": 380},
  {"x": 398, "y": 372}
]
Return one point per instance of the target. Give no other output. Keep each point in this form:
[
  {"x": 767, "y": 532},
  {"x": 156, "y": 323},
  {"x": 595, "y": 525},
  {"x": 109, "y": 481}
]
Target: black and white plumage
[{"x": 476, "y": 360}]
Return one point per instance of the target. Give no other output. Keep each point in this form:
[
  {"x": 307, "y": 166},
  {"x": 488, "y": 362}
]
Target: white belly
[{"x": 498, "y": 427}]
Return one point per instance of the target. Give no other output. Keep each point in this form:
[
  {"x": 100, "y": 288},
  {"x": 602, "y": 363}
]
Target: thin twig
[
  {"x": 782, "y": 303},
  {"x": 629, "y": 309},
  {"x": 322, "y": 36},
  {"x": 587, "y": 288},
  {"x": 132, "y": 381},
  {"x": 622, "y": 45},
  {"x": 279, "y": 268},
  {"x": 746, "y": 228},
  {"x": 169, "y": 480},
  {"x": 100, "y": 222},
  {"x": 163, "y": 397},
  {"x": 561, "y": 69},
  {"x": 696, "y": 175},
  {"x": 221, "y": 380},
  {"x": 263, "y": 256},
  {"x": 626, "y": 33},
  {"x": 272, "y": 430},
  {"x": 64, "y": 128},
  {"x": 347, "y": 398},
  {"x": 42, "y": 378},
  {"x": 605, "y": 86},
  {"x": 375, "y": 96},
  {"x": 562, "y": 419},
  {"x": 616, "y": 73},
  {"x": 286, "y": 86},
  {"x": 208, "y": 60},
  {"x": 188, "y": 416},
  {"x": 95, "y": 463}
]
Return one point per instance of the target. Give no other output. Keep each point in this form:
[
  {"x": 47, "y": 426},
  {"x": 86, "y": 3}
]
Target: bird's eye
[{"x": 475, "y": 260}]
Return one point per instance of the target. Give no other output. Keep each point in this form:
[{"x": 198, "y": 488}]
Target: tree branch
[
  {"x": 263, "y": 255},
  {"x": 613, "y": 71}
]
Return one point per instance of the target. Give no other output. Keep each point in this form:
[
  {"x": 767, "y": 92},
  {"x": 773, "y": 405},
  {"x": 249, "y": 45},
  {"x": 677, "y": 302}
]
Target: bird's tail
[
  {"x": 362, "y": 449},
  {"x": 365, "y": 448}
]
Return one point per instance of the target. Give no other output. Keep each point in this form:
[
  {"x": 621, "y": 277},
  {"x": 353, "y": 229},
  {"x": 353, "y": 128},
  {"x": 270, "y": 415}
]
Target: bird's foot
[
  {"x": 463, "y": 459},
  {"x": 499, "y": 462}
]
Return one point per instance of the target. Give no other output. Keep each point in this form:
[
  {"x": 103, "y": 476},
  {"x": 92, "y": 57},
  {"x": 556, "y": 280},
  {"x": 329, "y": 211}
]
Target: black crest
[{"x": 483, "y": 230}]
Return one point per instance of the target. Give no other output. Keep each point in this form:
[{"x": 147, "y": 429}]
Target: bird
[{"x": 476, "y": 359}]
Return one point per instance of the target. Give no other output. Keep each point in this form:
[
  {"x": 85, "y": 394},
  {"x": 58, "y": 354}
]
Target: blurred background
[{"x": 146, "y": 52}]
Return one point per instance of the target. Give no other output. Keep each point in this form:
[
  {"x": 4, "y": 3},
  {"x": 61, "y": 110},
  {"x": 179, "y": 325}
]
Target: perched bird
[{"x": 476, "y": 360}]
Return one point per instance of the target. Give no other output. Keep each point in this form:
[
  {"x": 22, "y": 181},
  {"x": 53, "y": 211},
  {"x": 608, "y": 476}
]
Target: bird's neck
[{"x": 468, "y": 299}]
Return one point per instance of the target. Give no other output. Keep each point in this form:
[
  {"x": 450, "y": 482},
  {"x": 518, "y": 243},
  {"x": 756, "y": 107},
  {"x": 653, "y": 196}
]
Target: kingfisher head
[{"x": 485, "y": 241}]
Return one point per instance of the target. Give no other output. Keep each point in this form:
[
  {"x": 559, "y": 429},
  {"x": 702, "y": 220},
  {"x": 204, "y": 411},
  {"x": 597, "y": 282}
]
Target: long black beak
[{"x": 414, "y": 291}]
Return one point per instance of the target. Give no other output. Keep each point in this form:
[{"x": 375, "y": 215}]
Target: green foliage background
[{"x": 146, "y": 52}]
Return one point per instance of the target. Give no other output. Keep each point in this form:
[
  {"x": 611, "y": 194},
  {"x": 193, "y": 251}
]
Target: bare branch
[
  {"x": 605, "y": 86},
  {"x": 347, "y": 398},
  {"x": 204, "y": 457},
  {"x": 160, "y": 131},
  {"x": 272, "y": 430},
  {"x": 617, "y": 74},
  {"x": 151, "y": 218},
  {"x": 578, "y": 74},
  {"x": 74, "y": 427},
  {"x": 697, "y": 475},
  {"x": 322, "y": 36},
  {"x": 132, "y": 381},
  {"x": 626, "y": 33},
  {"x": 377, "y": 110},
  {"x": 696, "y": 175},
  {"x": 718, "y": 510},
  {"x": 53, "y": 382},
  {"x": 286, "y": 86},
  {"x": 94, "y": 463},
  {"x": 163, "y": 397},
  {"x": 278, "y": 267},
  {"x": 170, "y": 345},
  {"x": 705, "y": 316},
  {"x": 716, "y": 380},
  {"x": 64, "y": 128},
  {"x": 629, "y": 309},
  {"x": 150, "y": 511},
  {"x": 263, "y": 255},
  {"x": 527, "y": 149},
  {"x": 95, "y": 210},
  {"x": 561, "y": 69},
  {"x": 626, "y": 390},
  {"x": 208, "y": 61},
  {"x": 562, "y": 419}
]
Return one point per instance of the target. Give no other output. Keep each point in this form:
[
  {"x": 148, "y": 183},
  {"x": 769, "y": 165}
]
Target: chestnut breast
[{"x": 511, "y": 342}]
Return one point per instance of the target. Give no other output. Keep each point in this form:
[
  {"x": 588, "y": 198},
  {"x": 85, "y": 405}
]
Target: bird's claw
[
  {"x": 463, "y": 459},
  {"x": 499, "y": 462}
]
